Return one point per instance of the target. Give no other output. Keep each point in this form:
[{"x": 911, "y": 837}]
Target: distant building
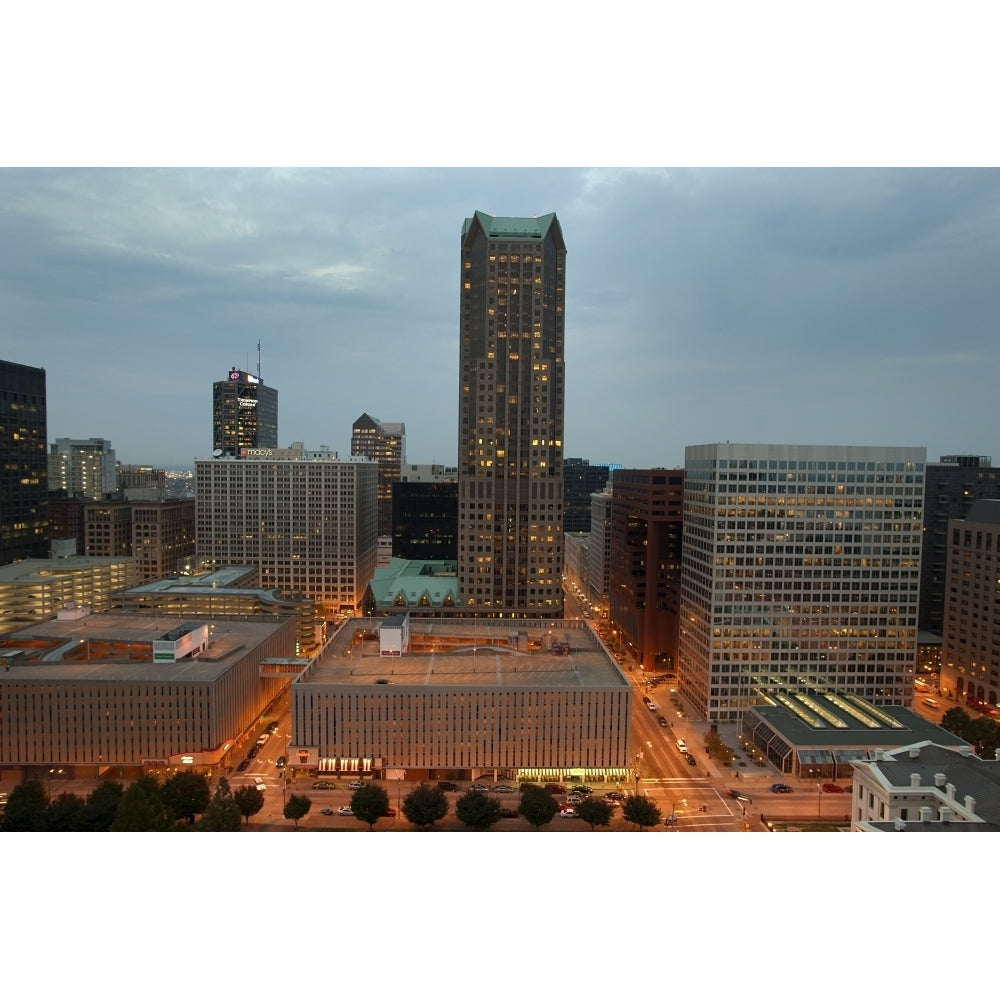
[
  {"x": 307, "y": 524},
  {"x": 428, "y": 474},
  {"x": 512, "y": 396},
  {"x": 926, "y": 788},
  {"x": 84, "y": 468},
  {"x": 580, "y": 481},
  {"x": 647, "y": 510},
  {"x": 420, "y": 699},
  {"x": 385, "y": 444},
  {"x": 953, "y": 485},
  {"x": 801, "y": 571},
  {"x": 576, "y": 546},
  {"x": 425, "y": 520},
  {"x": 599, "y": 549},
  {"x": 142, "y": 482},
  {"x": 24, "y": 514},
  {"x": 970, "y": 651},
  {"x": 244, "y": 415}
]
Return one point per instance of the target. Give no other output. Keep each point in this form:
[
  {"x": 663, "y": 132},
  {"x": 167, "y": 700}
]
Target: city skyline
[{"x": 859, "y": 303}]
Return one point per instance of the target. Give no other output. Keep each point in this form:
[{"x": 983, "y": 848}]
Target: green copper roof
[{"x": 512, "y": 227}]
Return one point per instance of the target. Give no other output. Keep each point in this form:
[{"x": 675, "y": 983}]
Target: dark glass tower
[
  {"x": 511, "y": 406},
  {"x": 24, "y": 498},
  {"x": 244, "y": 415}
]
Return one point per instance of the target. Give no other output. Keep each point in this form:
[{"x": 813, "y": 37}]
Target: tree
[
  {"x": 296, "y": 807},
  {"x": 223, "y": 814},
  {"x": 477, "y": 810},
  {"x": 537, "y": 806},
  {"x": 141, "y": 810},
  {"x": 982, "y": 733},
  {"x": 102, "y": 806},
  {"x": 249, "y": 800},
  {"x": 27, "y": 808},
  {"x": 424, "y": 806},
  {"x": 594, "y": 811},
  {"x": 186, "y": 794},
  {"x": 641, "y": 810},
  {"x": 956, "y": 720},
  {"x": 67, "y": 813},
  {"x": 370, "y": 803}
]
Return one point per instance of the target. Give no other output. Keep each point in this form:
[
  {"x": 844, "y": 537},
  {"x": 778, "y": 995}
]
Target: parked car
[
  {"x": 478, "y": 787},
  {"x": 830, "y": 787},
  {"x": 682, "y": 746},
  {"x": 508, "y": 813},
  {"x": 253, "y": 751},
  {"x": 323, "y": 784},
  {"x": 780, "y": 787},
  {"x": 582, "y": 789},
  {"x": 573, "y": 799},
  {"x": 281, "y": 762},
  {"x": 345, "y": 811},
  {"x": 390, "y": 812},
  {"x": 447, "y": 786},
  {"x": 355, "y": 785},
  {"x": 326, "y": 811},
  {"x": 567, "y": 813},
  {"x": 556, "y": 789},
  {"x": 645, "y": 699},
  {"x": 243, "y": 764},
  {"x": 502, "y": 788},
  {"x": 615, "y": 796}
]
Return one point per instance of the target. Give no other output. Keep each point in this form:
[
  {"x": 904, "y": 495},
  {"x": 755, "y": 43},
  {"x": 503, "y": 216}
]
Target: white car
[
  {"x": 682, "y": 746},
  {"x": 573, "y": 799},
  {"x": 567, "y": 813},
  {"x": 652, "y": 706},
  {"x": 259, "y": 784},
  {"x": 345, "y": 811}
]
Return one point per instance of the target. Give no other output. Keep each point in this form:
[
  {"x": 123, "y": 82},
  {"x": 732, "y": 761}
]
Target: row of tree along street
[{"x": 185, "y": 801}]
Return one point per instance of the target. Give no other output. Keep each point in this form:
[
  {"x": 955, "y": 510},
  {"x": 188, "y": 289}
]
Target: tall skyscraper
[
  {"x": 511, "y": 410},
  {"x": 384, "y": 444},
  {"x": 244, "y": 414},
  {"x": 24, "y": 510},
  {"x": 84, "y": 468},
  {"x": 800, "y": 570}
]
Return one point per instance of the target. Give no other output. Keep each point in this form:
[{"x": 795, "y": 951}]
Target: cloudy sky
[{"x": 826, "y": 306}]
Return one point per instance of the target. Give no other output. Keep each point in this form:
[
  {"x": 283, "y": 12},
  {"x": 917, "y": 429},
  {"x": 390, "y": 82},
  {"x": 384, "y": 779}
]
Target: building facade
[
  {"x": 801, "y": 570},
  {"x": 953, "y": 485},
  {"x": 24, "y": 515},
  {"x": 511, "y": 413},
  {"x": 307, "y": 525},
  {"x": 385, "y": 445},
  {"x": 84, "y": 468},
  {"x": 647, "y": 516},
  {"x": 599, "y": 549},
  {"x": 425, "y": 520},
  {"x": 580, "y": 481},
  {"x": 970, "y": 649},
  {"x": 244, "y": 414}
]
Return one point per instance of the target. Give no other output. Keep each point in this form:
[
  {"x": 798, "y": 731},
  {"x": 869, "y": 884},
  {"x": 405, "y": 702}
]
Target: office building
[
  {"x": 425, "y": 520},
  {"x": 84, "y": 468},
  {"x": 647, "y": 514},
  {"x": 511, "y": 410},
  {"x": 244, "y": 415},
  {"x": 801, "y": 571},
  {"x": 142, "y": 482},
  {"x": 385, "y": 444},
  {"x": 953, "y": 485},
  {"x": 413, "y": 699},
  {"x": 970, "y": 651},
  {"x": 580, "y": 481},
  {"x": 24, "y": 514},
  {"x": 599, "y": 549},
  {"x": 307, "y": 524}
]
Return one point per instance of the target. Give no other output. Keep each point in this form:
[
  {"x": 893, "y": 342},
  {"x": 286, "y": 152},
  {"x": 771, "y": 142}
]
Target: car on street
[
  {"x": 355, "y": 785},
  {"x": 741, "y": 796},
  {"x": 447, "y": 786},
  {"x": 645, "y": 699},
  {"x": 567, "y": 813},
  {"x": 779, "y": 786},
  {"x": 581, "y": 789},
  {"x": 281, "y": 762},
  {"x": 573, "y": 799},
  {"x": 243, "y": 764},
  {"x": 345, "y": 811},
  {"x": 390, "y": 812},
  {"x": 829, "y": 786},
  {"x": 661, "y": 720},
  {"x": 556, "y": 789},
  {"x": 259, "y": 784},
  {"x": 263, "y": 738},
  {"x": 326, "y": 811},
  {"x": 253, "y": 751},
  {"x": 318, "y": 785},
  {"x": 272, "y": 728},
  {"x": 690, "y": 759},
  {"x": 502, "y": 788},
  {"x": 478, "y": 788},
  {"x": 615, "y": 796}
]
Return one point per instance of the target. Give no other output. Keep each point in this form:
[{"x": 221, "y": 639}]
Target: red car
[
  {"x": 828, "y": 787},
  {"x": 390, "y": 812}
]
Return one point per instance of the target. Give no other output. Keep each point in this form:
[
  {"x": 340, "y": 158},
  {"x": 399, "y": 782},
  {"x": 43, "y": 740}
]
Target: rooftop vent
[
  {"x": 940, "y": 779},
  {"x": 914, "y": 752},
  {"x": 900, "y": 824},
  {"x": 914, "y": 780}
]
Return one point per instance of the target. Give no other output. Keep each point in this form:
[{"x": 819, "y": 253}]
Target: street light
[{"x": 819, "y": 800}]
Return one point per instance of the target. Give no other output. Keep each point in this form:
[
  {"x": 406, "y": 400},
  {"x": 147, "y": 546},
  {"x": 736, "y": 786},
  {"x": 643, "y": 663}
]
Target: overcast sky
[{"x": 841, "y": 306}]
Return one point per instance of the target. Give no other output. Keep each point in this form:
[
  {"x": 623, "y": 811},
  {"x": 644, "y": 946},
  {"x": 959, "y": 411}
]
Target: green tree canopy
[
  {"x": 186, "y": 794},
  {"x": 641, "y": 810},
  {"x": 141, "y": 810},
  {"x": 222, "y": 815},
  {"x": 537, "y": 806},
  {"x": 27, "y": 808},
  {"x": 956, "y": 720},
  {"x": 370, "y": 803},
  {"x": 477, "y": 810},
  {"x": 102, "y": 806},
  {"x": 425, "y": 806},
  {"x": 68, "y": 813},
  {"x": 249, "y": 800},
  {"x": 296, "y": 807},
  {"x": 594, "y": 811}
]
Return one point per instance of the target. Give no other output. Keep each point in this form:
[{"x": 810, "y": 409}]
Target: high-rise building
[
  {"x": 24, "y": 512},
  {"x": 599, "y": 549},
  {"x": 307, "y": 523},
  {"x": 952, "y": 486},
  {"x": 647, "y": 509},
  {"x": 580, "y": 481},
  {"x": 425, "y": 520},
  {"x": 801, "y": 571},
  {"x": 84, "y": 468},
  {"x": 244, "y": 415},
  {"x": 970, "y": 652},
  {"x": 385, "y": 444},
  {"x": 511, "y": 410}
]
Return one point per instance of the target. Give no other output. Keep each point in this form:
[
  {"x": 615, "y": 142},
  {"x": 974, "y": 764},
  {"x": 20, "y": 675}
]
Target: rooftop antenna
[{"x": 258, "y": 359}]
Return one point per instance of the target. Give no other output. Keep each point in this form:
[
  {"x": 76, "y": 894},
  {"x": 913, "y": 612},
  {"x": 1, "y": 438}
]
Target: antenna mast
[{"x": 258, "y": 359}]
